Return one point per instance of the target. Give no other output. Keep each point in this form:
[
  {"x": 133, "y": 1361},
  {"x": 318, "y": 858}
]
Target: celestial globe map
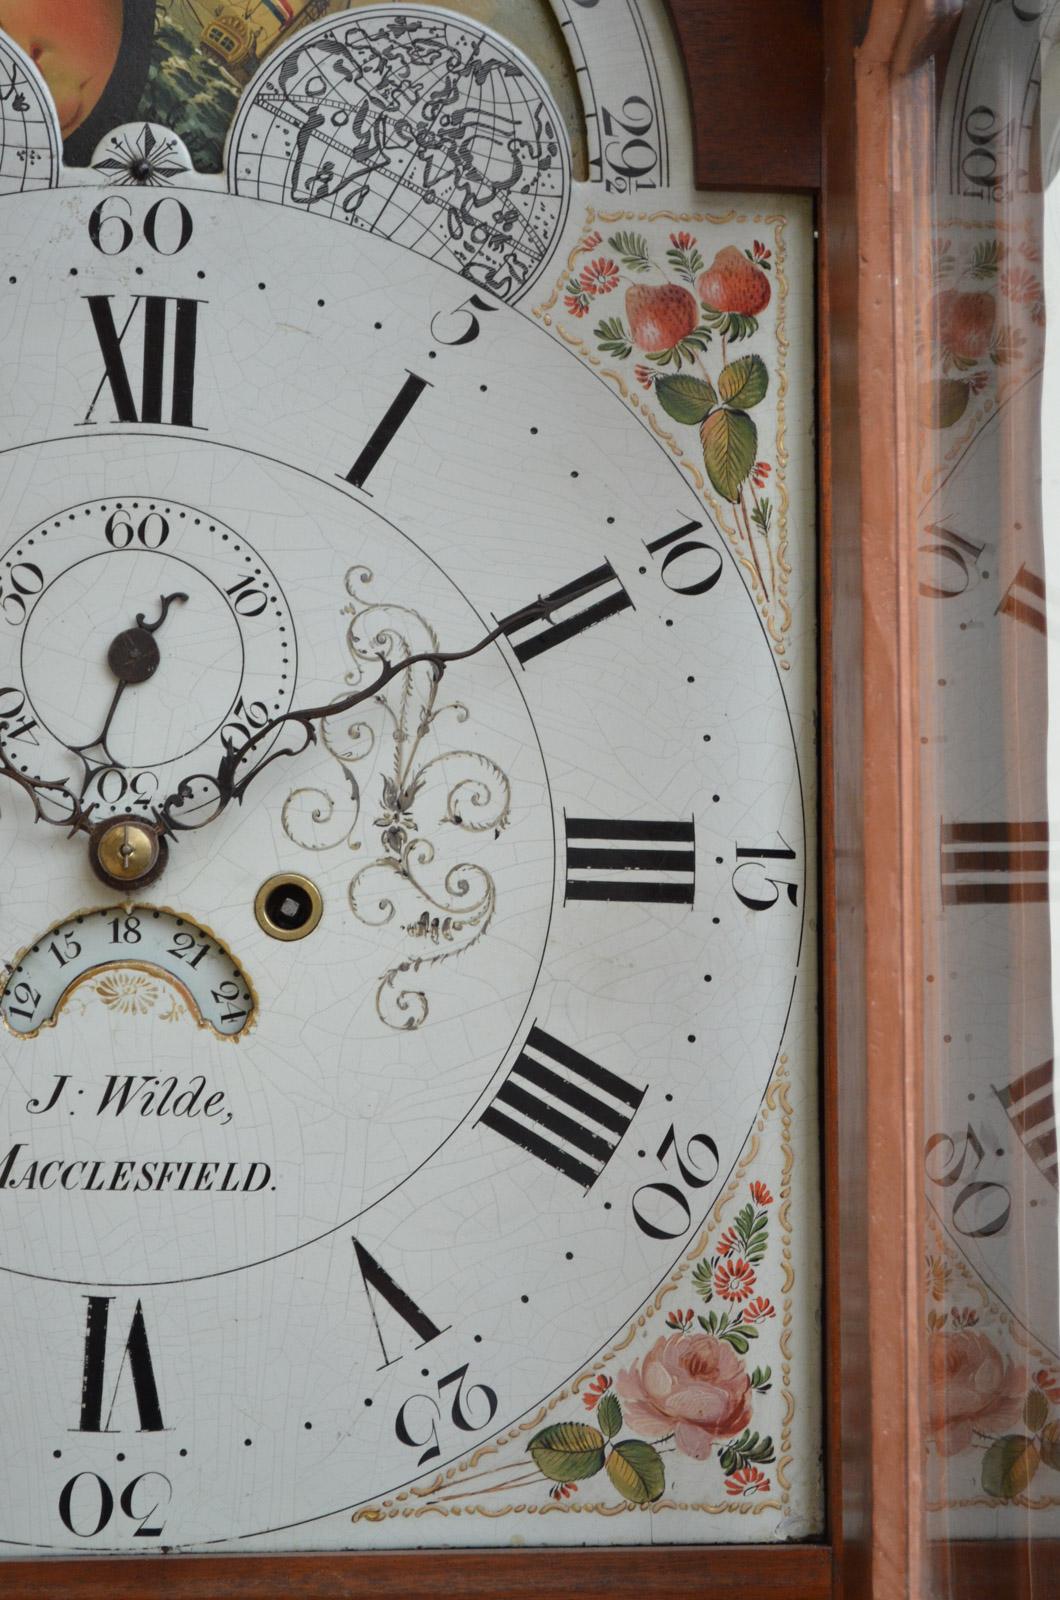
[
  {"x": 29, "y": 151},
  {"x": 415, "y": 126}
]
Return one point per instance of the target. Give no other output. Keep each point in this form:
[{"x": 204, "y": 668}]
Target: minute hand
[{"x": 231, "y": 787}]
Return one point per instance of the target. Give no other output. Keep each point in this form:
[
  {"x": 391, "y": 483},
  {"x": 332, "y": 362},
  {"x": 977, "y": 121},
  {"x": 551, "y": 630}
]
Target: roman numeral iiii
[{"x": 563, "y": 1108}]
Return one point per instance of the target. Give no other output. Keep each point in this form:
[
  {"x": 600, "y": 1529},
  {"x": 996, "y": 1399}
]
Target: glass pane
[{"x": 987, "y": 549}]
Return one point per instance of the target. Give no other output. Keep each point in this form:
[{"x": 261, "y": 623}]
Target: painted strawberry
[
  {"x": 734, "y": 283},
  {"x": 660, "y": 315},
  {"x": 964, "y": 322}
]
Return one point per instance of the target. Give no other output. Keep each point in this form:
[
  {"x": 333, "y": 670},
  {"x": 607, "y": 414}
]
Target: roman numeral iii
[
  {"x": 165, "y": 333},
  {"x": 563, "y": 1108},
  {"x": 653, "y": 862}
]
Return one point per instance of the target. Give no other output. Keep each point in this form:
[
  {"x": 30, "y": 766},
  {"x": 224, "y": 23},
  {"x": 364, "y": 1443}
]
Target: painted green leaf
[
  {"x": 567, "y": 1451},
  {"x": 1035, "y": 1410},
  {"x": 636, "y": 1470},
  {"x": 948, "y": 401},
  {"x": 743, "y": 383},
  {"x": 609, "y": 1414},
  {"x": 1051, "y": 1445},
  {"x": 685, "y": 398},
  {"x": 1009, "y": 1465},
  {"x": 730, "y": 444}
]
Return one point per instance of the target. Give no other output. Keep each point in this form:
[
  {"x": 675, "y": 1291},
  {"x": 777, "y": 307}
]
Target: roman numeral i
[
  {"x": 563, "y": 1108},
  {"x": 169, "y": 330}
]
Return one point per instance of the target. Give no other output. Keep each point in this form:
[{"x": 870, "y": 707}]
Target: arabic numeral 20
[
  {"x": 661, "y": 1210},
  {"x": 981, "y": 1207}
]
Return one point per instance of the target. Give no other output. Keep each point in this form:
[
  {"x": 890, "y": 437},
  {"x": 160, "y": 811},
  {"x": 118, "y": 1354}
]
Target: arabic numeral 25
[
  {"x": 630, "y": 151},
  {"x": 470, "y": 1409}
]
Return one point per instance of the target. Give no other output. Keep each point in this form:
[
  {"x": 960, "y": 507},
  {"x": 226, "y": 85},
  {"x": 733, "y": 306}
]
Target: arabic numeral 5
[
  {"x": 982, "y": 1207},
  {"x": 24, "y": 579},
  {"x": 86, "y": 1504},
  {"x": 653, "y": 1203},
  {"x": 630, "y": 159},
  {"x": 417, "y": 1422}
]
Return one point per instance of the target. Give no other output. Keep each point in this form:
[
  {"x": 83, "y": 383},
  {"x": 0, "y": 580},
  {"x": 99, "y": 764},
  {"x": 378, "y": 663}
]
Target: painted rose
[
  {"x": 691, "y": 1385},
  {"x": 972, "y": 1389}
]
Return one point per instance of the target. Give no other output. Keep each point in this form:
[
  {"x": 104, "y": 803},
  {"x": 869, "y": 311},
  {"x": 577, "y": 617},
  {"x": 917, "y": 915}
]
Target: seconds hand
[{"x": 133, "y": 657}]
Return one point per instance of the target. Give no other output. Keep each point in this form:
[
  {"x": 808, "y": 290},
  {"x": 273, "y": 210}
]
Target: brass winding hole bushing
[{"x": 288, "y": 906}]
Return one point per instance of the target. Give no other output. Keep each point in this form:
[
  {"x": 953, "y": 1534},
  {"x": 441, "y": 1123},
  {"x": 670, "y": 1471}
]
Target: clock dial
[{"x": 472, "y": 746}]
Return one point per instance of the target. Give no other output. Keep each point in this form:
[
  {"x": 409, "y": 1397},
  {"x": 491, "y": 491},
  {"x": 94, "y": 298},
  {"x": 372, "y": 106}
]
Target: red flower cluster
[
  {"x": 644, "y": 375},
  {"x": 759, "y": 1310},
  {"x": 682, "y": 241},
  {"x": 595, "y": 1392},
  {"x": 729, "y": 1241},
  {"x": 734, "y": 1280},
  {"x": 746, "y": 1480},
  {"x": 759, "y": 253},
  {"x": 1049, "y": 1383},
  {"x": 760, "y": 473},
  {"x": 563, "y": 1491},
  {"x": 759, "y": 1192},
  {"x": 680, "y": 1320},
  {"x": 600, "y": 276}
]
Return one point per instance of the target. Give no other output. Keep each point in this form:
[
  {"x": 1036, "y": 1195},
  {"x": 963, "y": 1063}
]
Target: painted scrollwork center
[{"x": 430, "y": 783}]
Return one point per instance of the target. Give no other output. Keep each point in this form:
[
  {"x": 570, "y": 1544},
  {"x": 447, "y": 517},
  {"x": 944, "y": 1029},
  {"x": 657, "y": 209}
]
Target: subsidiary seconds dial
[{"x": 80, "y": 589}]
